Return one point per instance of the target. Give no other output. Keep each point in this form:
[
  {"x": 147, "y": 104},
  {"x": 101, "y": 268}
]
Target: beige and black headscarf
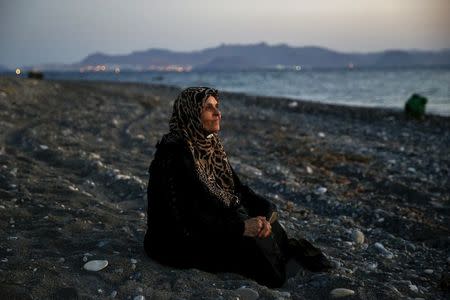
[{"x": 211, "y": 163}]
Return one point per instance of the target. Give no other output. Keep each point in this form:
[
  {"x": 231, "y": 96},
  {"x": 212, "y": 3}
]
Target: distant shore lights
[{"x": 18, "y": 71}]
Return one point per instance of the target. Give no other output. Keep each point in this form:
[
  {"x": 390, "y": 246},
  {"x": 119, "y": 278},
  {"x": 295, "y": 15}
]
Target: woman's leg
[
  {"x": 261, "y": 260},
  {"x": 301, "y": 250},
  {"x": 308, "y": 255}
]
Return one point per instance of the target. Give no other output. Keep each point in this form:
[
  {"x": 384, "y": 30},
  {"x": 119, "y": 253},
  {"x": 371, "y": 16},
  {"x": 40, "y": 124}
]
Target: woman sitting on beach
[{"x": 201, "y": 216}]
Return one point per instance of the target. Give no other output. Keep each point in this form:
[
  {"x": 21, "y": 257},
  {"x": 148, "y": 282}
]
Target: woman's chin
[{"x": 212, "y": 129}]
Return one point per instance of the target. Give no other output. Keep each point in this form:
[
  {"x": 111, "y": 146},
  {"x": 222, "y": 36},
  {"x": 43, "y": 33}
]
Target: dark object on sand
[
  {"x": 415, "y": 106},
  {"x": 35, "y": 75}
]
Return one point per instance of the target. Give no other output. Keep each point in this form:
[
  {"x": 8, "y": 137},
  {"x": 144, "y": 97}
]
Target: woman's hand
[{"x": 257, "y": 227}]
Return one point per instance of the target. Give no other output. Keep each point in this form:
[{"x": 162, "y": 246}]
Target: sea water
[{"x": 388, "y": 88}]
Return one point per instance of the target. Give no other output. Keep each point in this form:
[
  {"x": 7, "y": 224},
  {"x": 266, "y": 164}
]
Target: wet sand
[{"x": 73, "y": 174}]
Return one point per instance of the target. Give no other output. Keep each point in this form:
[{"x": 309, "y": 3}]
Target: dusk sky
[{"x": 63, "y": 31}]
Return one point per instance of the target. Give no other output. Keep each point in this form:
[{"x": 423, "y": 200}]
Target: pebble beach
[{"x": 368, "y": 186}]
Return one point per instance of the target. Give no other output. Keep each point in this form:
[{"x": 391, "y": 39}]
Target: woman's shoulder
[
  {"x": 168, "y": 148},
  {"x": 170, "y": 153}
]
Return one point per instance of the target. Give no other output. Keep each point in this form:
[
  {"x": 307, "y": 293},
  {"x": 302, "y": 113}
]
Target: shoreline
[
  {"x": 307, "y": 106},
  {"x": 74, "y": 158}
]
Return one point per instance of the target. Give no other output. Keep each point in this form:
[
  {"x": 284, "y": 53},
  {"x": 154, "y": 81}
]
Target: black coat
[{"x": 189, "y": 227}]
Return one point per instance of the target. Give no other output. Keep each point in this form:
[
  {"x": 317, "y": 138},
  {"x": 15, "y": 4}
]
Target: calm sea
[{"x": 361, "y": 87}]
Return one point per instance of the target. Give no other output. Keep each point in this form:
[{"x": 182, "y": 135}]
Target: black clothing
[{"x": 189, "y": 227}]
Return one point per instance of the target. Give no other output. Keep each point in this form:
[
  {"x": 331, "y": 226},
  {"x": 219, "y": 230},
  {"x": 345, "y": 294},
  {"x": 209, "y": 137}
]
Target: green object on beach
[{"x": 415, "y": 106}]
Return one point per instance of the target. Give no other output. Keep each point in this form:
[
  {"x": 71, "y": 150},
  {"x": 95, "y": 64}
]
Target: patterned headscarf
[{"x": 211, "y": 163}]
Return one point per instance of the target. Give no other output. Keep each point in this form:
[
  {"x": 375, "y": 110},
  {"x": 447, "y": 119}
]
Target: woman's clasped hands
[{"x": 257, "y": 227}]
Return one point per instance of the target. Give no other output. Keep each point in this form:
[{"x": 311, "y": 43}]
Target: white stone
[
  {"x": 321, "y": 134},
  {"x": 358, "y": 236},
  {"x": 309, "y": 170},
  {"x": 140, "y": 297},
  {"x": 95, "y": 265},
  {"x": 293, "y": 104},
  {"x": 348, "y": 244},
  {"x": 386, "y": 253},
  {"x": 283, "y": 295},
  {"x": 133, "y": 261},
  {"x": 341, "y": 292},
  {"x": 428, "y": 271},
  {"x": 246, "y": 293},
  {"x": 72, "y": 188},
  {"x": 43, "y": 147},
  {"x": 321, "y": 190},
  {"x": 413, "y": 288}
]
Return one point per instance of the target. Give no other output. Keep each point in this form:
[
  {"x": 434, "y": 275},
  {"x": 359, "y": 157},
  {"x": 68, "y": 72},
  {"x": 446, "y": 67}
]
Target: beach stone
[
  {"x": 282, "y": 295},
  {"x": 358, "y": 236},
  {"x": 321, "y": 190},
  {"x": 372, "y": 266},
  {"x": 139, "y": 297},
  {"x": 341, "y": 292},
  {"x": 247, "y": 293},
  {"x": 95, "y": 265},
  {"x": 428, "y": 271},
  {"x": 413, "y": 288},
  {"x": 113, "y": 294},
  {"x": 293, "y": 104},
  {"x": 386, "y": 253},
  {"x": 348, "y": 244}
]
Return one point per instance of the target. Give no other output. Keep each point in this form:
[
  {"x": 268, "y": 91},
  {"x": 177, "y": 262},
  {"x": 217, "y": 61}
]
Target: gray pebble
[
  {"x": 348, "y": 244},
  {"x": 246, "y": 293},
  {"x": 386, "y": 253},
  {"x": 413, "y": 288},
  {"x": 341, "y": 292}
]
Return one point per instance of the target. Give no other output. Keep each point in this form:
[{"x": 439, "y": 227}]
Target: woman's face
[{"x": 211, "y": 116}]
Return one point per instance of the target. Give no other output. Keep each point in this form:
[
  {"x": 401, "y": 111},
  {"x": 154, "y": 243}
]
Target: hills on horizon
[{"x": 252, "y": 57}]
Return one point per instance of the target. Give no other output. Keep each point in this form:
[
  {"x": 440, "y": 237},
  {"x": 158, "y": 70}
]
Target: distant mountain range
[{"x": 255, "y": 56}]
